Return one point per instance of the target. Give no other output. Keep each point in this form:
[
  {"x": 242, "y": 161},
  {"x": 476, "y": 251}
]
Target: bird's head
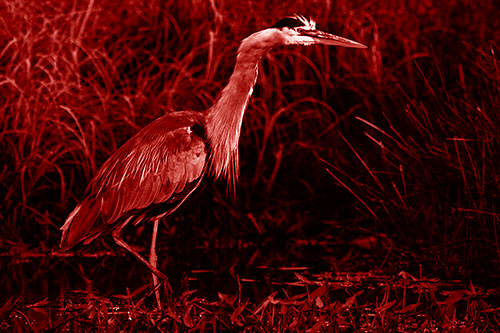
[{"x": 295, "y": 30}]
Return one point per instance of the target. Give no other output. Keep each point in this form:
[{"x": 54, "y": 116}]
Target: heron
[{"x": 153, "y": 173}]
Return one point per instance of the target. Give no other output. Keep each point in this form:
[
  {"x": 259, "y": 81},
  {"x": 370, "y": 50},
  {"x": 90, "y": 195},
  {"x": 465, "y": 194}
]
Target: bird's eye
[{"x": 300, "y": 30}]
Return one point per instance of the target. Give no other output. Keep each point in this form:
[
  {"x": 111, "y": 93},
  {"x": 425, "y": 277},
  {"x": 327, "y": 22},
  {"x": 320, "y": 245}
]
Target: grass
[
  {"x": 341, "y": 149},
  {"x": 361, "y": 302}
]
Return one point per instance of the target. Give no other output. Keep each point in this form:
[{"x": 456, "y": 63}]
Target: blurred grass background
[{"x": 398, "y": 142}]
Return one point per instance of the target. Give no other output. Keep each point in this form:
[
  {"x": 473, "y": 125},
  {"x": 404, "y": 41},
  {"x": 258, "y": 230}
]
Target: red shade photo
[{"x": 249, "y": 166}]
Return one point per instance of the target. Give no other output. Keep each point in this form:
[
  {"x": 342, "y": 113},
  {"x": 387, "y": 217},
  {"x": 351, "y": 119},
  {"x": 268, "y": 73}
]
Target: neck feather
[{"x": 225, "y": 117}]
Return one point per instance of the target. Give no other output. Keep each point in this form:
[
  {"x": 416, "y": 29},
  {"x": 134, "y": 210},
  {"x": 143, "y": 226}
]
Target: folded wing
[{"x": 149, "y": 176}]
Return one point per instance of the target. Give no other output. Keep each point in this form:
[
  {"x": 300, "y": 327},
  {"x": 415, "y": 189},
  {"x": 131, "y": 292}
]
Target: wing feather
[{"x": 151, "y": 168}]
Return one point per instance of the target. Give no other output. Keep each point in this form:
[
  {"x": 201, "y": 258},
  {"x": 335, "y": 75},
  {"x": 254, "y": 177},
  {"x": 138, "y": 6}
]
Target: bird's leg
[
  {"x": 153, "y": 259},
  {"x": 121, "y": 242}
]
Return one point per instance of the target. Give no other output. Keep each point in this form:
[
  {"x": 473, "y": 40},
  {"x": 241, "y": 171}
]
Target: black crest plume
[
  {"x": 288, "y": 22},
  {"x": 295, "y": 21}
]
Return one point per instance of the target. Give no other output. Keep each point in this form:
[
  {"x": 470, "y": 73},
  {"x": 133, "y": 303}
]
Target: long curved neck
[{"x": 224, "y": 118}]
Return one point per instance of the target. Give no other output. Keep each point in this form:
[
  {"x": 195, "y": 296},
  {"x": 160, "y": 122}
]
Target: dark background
[{"x": 384, "y": 159}]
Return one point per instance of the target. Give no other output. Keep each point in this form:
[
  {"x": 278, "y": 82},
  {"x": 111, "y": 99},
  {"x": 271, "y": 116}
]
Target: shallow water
[{"x": 51, "y": 276}]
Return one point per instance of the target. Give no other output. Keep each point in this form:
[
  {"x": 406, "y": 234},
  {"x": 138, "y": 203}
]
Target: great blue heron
[{"x": 158, "y": 168}]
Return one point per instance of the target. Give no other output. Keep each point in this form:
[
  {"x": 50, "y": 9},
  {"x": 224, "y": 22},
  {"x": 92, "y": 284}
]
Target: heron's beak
[{"x": 326, "y": 38}]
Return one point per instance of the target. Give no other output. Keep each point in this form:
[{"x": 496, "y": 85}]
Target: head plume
[{"x": 294, "y": 21}]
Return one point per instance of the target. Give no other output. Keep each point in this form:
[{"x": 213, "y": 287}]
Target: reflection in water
[{"x": 39, "y": 277}]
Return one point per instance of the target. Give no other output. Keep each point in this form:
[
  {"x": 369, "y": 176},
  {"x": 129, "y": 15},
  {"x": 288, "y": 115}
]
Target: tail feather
[{"x": 79, "y": 224}]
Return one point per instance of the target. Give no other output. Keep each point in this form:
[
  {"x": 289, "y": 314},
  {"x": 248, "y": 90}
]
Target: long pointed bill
[{"x": 326, "y": 38}]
